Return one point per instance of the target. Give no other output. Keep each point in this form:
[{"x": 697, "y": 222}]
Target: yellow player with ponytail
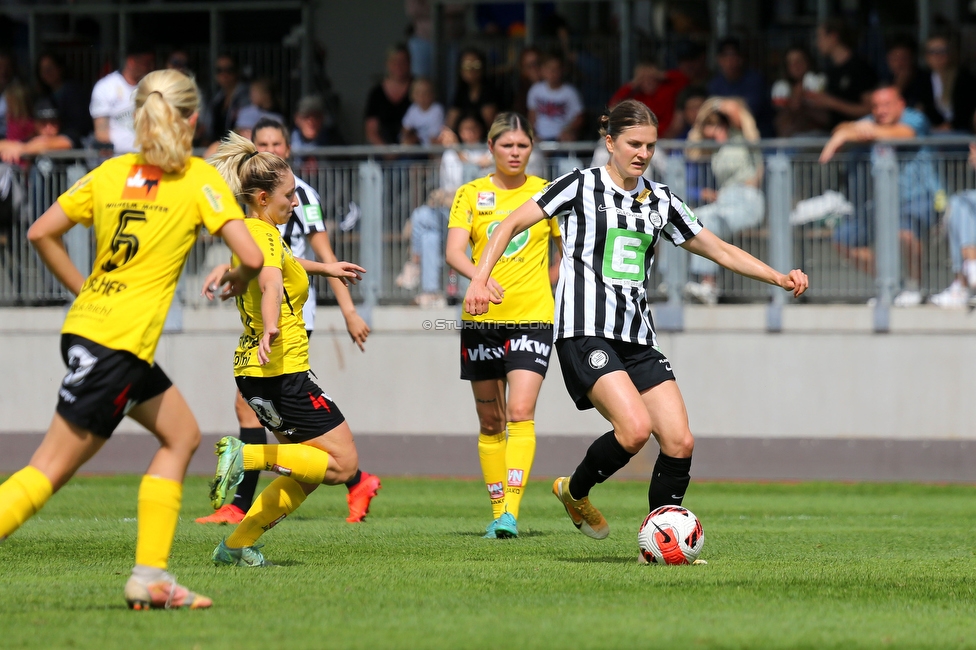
[{"x": 146, "y": 210}]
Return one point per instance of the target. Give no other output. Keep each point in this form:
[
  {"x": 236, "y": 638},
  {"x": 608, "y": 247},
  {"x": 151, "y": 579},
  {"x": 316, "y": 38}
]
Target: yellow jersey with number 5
[
  {"x": 523, "y": 270},
  {"x": 146, "y": 221},
  {"x": 289, "y": 352}
]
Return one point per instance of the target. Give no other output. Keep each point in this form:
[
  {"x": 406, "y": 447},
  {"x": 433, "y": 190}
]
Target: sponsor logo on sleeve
[
  {"x": 313, "y": 214},
  {"x": 214, "y": 199},
  {"x": 142, "y": 183}
]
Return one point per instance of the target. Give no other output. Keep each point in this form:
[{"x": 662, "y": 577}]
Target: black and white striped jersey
[
  {"x": 305, "y": 220},
  {"x": 608, "y": 242}
]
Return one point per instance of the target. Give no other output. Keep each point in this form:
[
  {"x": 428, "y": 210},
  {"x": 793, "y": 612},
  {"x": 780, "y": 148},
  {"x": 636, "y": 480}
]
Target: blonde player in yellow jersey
[
  {"x": 146, "y": 209},
  {"x": 508, "y": 347},
  {"x": 271, "y": 363}
]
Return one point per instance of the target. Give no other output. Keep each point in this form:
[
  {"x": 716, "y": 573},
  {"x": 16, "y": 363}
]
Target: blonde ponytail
[
  {"x": 246, "y": 171},
  {"x": 165, "y": 100}
]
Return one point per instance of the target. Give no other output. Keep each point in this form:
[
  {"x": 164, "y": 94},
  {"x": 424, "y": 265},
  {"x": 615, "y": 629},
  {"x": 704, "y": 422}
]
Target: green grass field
[{"x": 812, "y": 565}]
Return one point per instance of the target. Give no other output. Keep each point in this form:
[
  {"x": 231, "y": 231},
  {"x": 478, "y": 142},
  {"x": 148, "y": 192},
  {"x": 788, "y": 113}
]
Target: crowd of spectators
[{"x": 918, "y": 91}]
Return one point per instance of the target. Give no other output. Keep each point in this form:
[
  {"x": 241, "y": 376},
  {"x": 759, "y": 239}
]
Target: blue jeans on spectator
[
  {"x": 428, "y": 232},
  {"x": 962, "y": 226}
]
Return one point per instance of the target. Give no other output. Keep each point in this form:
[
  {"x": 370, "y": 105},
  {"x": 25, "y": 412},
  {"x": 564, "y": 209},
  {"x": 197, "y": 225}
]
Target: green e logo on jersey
[
  {"x": 518, "y": 242},
  {"x": 623, "y": 256}
]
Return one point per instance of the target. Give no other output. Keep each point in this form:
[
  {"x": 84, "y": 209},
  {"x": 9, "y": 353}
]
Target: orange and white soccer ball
[{"x": 670, "y": 535}]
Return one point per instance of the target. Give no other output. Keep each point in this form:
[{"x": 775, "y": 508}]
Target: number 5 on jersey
[{"x": 125, "y": 245}]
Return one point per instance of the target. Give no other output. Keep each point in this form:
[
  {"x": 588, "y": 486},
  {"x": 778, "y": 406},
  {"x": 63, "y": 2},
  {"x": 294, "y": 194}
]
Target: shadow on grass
[
  {"x": 599, "y": 560},
  {"x": 474, "y": 533}
]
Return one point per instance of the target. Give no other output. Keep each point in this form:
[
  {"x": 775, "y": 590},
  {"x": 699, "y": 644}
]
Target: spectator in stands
[
  {"x": 466, "y": 159},
  {"x": 7, "y": 74},
  {"x": 918, "y": 187},
  {"x": 314, "y": 127},
  {"x": 389, "y": 100},
  {"x": 687, "y": 106},
  {"x": 232, "y": 95},
  {"x": 734, "y": 79},
  {"x": 555, "y": 108},
  {"x": 20, "y": 125},
  {"x": 654, "y": 88},
  {"x": 113, "y": 104},
  {"x": 264, "y": 103},
  {"x": 48, "y": 135},
  {"x": 961, "y": 222},
  {"x": 65, "y": 95},
  {"x": 529, "y": 73},
  {"x": 473, "y": 92},
  {"x": 849, "y": 79},
  {"x": 901, "y": 58},
  {"x": 794, "y": 115},
  {"x": 737, "y": 202},
  {"x": 953, "y": 88},
  {"x": 179, "y": 60},
  {"x": 692, "y": 68},
  {"x": 424, "y": 120}
]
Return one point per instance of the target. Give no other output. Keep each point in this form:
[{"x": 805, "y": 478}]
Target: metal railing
[{"x": 369, "y": 194}]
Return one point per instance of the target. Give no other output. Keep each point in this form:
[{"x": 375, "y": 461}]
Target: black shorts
[
  {"x": 585, "y": 359},
  {"x": 292, "y": 405},
  {"x": 102, "y": 384},
  {"x": 492, "y": 350}
]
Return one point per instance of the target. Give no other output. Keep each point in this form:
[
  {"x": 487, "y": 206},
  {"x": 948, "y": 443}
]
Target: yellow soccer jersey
[
  {"x": 289, "y": 352},
  {"x": 523, "y": 270},
  {"x": 145, "y": 223}
]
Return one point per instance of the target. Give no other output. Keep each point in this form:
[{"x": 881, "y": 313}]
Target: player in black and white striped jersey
[
  {"x": 306, "y": 235},
  {"x": 611, "y": 218}
]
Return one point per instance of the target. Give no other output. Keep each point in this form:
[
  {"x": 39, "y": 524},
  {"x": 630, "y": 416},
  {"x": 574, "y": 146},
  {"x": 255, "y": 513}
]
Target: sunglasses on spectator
[
  {"x": 474, "y": 65},
  {"x": 225, "y": 69},
  {"x": 936, "y": 50}
]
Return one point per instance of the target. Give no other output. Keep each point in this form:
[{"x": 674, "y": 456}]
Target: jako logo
[
  {"x": 495, "y": 490},
  {"x": 529, "y": 346},
  {"x": 481, "y": 353},
  {"x": 515, "y": 477}
]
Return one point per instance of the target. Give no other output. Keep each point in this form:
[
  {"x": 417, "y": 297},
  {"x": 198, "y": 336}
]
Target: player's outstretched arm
[
  {"x": 346, "y": 272},
  {"x": 479, "y": 293},
  {"x": 45, "y": 236},
  {"x": 355, "y": 325},
  {"x": 706, "y": 244}
]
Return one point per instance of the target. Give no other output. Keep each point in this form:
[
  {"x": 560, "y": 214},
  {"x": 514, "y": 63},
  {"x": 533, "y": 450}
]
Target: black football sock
[
  {"x": 668, "y": 482},
  {"x": 354, "y": 481},
  {"x": 604, "y": 457},
  {"x": 244, "y": 494}
]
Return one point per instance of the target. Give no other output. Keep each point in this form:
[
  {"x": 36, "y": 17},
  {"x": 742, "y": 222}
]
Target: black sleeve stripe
[
  {"x": 557, "y": 187},
  {"x": 302, "y": 196}
]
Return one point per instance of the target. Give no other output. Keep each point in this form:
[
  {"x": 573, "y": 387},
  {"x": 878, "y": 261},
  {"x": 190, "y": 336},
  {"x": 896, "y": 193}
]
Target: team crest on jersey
[
  {"x": 142, "y": 182},
  {"x": 656, "y": 219},
  {"x": 643, "y": 195},
  {"x": 486, "y": 201},
  {"x": 598, "y": 359}
]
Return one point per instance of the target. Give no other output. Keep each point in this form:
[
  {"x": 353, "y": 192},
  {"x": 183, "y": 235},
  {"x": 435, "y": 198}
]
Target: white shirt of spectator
[
  {"x": 427, "y": 124},
  {"x": 554, "y": 109},
  {"x": 305, "y": 220},
  {"x": 114, "y": 98}
]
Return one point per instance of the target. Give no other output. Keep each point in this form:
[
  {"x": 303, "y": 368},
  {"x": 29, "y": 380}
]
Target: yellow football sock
[
  {"x": 21, "y": 496},
  {"x": 276, "y": 502},
  {"x": 518, "y": 458},
  {"x": 300, "y": 462},
  {"x": 491, "y": 450},
  {"x": 159, "y": 510}
]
